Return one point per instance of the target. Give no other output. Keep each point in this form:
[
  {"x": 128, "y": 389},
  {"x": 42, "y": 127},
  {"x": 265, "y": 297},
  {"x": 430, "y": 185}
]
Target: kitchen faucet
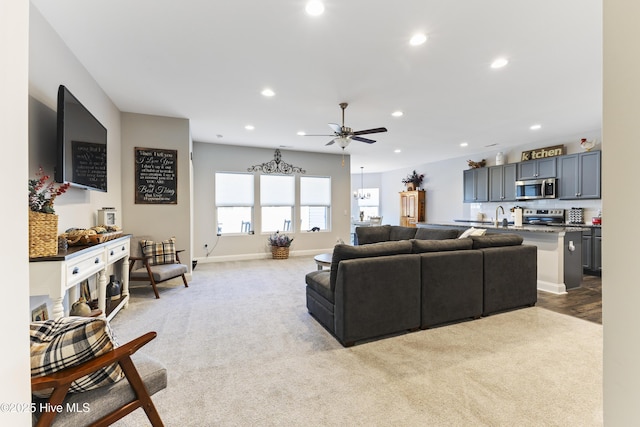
[{"x": 496, "y": 220}]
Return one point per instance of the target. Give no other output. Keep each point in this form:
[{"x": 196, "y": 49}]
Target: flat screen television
[{"x": 81, "y": 145}]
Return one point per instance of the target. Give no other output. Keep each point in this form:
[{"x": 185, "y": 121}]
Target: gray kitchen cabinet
[
  {"x": 476, "y": 185},
  {"x": 597, "y": 249},
  {"x": 537, "y": 169},
  {"x": 502, "y": 183},
  {"x": 592, "y": 250},
  {"x": 579, "y": 176},
  {"x": 587, "y": 253}
]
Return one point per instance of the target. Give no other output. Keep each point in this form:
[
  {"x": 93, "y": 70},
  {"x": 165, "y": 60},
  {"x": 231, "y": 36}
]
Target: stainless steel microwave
[{"x": 536, "y": 189}]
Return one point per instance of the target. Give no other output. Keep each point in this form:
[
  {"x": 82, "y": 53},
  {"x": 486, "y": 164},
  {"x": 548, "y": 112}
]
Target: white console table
[{"x": 54, "y": 276}]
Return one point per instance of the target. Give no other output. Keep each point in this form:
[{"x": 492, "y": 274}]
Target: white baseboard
[
  {"x": 259, "y": 255},
  {"x": 554, "y": 288}
]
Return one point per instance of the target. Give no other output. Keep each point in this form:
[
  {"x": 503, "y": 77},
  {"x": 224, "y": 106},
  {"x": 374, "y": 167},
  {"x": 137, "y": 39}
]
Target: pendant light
[{"x": 360, "y": 194}]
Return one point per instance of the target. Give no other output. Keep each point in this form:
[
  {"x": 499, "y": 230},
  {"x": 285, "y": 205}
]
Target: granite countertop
[{"x": 490, "y": 225}]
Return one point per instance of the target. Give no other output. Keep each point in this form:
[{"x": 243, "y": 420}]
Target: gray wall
[
  {"x": 211, "y": 158},
  {"x": 158, "y": 221}
]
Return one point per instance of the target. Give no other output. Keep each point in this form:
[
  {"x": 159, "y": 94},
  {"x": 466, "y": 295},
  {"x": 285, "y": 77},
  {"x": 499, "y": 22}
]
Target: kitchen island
[{"x": 559, "y": 250}]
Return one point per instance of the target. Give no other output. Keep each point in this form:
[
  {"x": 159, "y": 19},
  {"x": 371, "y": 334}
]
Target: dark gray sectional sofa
[{"x": 401, "y": 279}]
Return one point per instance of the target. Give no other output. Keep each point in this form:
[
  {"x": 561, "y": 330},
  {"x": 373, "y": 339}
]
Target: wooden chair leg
[
  {"x": 184, "y": 280},
  {"x": 155, "y": 287}
]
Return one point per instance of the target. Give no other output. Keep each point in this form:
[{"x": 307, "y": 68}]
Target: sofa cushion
[
  {"x": 70, "y": 341},
  {"x": 402, "y": 233},
  {"x": 367, "y": 235},
  {"x": 420, "y": 246},
  {"x": 319, "y": 281},
  {"x": 496, "y": 240},
  {"x": 160, "y": 252},
  {"x": 436, "y": 233},
  {"x": 343, "y": 251}
]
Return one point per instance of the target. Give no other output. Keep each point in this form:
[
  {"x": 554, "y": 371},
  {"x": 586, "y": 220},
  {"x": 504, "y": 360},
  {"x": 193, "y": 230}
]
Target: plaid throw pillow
[
  {"x": 70, "y": 341},
  {"x": 160, "y": 252}
]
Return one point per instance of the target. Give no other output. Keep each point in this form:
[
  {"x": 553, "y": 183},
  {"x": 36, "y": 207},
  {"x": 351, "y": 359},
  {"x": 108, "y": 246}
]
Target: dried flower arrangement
[
  {"x": 476, "y": 165},
  {"x": 280, "y": 240},
  {"x": 42, "y": 192},
  {"x": 414, "y": 178}
]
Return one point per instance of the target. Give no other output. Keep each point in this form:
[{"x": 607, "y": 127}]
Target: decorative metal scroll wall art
[{"x": 276, "y": 166}]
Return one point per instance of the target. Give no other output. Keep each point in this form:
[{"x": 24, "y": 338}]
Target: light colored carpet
[{"x": 241, "y": 350}]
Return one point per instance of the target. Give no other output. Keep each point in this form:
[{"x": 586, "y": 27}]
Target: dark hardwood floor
[{"x": 584, "y": 302}]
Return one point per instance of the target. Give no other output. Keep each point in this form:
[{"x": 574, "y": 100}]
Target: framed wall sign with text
[{"x": 156, "y": 176}]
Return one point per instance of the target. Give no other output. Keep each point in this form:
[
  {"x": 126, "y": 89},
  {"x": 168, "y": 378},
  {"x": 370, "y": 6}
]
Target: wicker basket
[
  {"x": 280, "y": 252},
  {"x": 43, "y": 234}
]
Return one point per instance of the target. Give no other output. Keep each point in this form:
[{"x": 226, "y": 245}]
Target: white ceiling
[{"x": 208, "y": 60}]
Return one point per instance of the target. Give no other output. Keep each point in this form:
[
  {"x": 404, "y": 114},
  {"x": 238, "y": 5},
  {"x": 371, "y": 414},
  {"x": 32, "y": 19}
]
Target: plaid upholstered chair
[
  {"x": 76, "y": 366},
  {"x": 156, "y": 262}
]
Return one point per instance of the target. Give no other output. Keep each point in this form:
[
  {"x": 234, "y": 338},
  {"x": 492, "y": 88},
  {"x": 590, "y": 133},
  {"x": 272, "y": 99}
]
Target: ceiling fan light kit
[{"x": 344, "y": 135}]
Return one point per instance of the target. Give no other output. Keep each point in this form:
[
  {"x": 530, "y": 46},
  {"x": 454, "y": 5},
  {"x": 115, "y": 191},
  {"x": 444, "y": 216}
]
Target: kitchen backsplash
[{"x": 591, "y": 208}]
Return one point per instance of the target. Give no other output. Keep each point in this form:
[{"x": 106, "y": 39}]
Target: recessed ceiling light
[
  {"x": 314, "y": 8},
  {"x": 249, "y": 127},
  {"x": 302, "y": 133},
  {"x": 535, "y": 127},
  {"x": 267, "y": 92},
  {"x": 499, "y": 63},
  {"x": 397, "y": 114},
  {"x": 464, "y": 144},
  {"x": 417, "y": 39},
  {"x": 397, "y": 150}
]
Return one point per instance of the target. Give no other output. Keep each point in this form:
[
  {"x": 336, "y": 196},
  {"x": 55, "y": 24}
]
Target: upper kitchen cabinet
[
  {"x": 537, "y": 169},
  {"x": 579, "y": 176},
  {"x": 476, "y": 185},
  {"x": 502, "y": 183}
]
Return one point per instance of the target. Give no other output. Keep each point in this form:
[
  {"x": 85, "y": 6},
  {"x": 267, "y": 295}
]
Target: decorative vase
[
  {"x": 113, "y": 288},
  {"x": 280, "y": 252},
  {"x": 80, "y": 308},
  {"x": 43, "y": 234},
  {"x": 411, "y": 186}
]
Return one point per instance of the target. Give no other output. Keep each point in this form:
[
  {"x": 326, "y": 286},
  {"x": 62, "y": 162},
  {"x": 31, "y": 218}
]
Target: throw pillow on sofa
[
  {"x": 69, "y": 341},
  {"x": 472, "y": 232}
]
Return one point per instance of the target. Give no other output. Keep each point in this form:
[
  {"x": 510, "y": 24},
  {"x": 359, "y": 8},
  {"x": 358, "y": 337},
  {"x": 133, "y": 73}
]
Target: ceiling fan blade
[
  {"x": 361, "y": 139},
  {"x": 324, "y": 134},
  {"x": 336, "y": 128},
  {"x": 364, "y": 132},
  {"x": 330, "y": 142}
]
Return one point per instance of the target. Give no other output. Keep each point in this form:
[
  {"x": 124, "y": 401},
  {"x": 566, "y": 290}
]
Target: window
[
  {"x": 234, "y": 202},
  {"x": 277, "y": 199},
  {"x": 370, "y": 206},
  {"x": 315, "y": 201}
]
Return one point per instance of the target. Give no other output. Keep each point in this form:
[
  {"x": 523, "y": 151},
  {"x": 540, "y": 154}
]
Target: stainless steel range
[{"x": 543, "y": 216}]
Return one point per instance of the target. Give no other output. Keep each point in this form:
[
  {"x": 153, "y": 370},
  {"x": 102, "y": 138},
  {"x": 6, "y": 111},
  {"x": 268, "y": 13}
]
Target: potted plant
[
  {"x": 280, "y": 244},
  {"x": 413, "y": 181},
  {"x": 43, "y": 222}
]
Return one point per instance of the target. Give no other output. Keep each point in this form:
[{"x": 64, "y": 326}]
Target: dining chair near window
[
  {"x": 375, "y": 220},
  {"x": 287, "y": 225},
  {"x": 246, "y": 226}
]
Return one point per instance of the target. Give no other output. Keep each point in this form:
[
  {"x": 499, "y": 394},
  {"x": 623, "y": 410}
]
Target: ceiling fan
[{"x": 343, "y": 135}]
